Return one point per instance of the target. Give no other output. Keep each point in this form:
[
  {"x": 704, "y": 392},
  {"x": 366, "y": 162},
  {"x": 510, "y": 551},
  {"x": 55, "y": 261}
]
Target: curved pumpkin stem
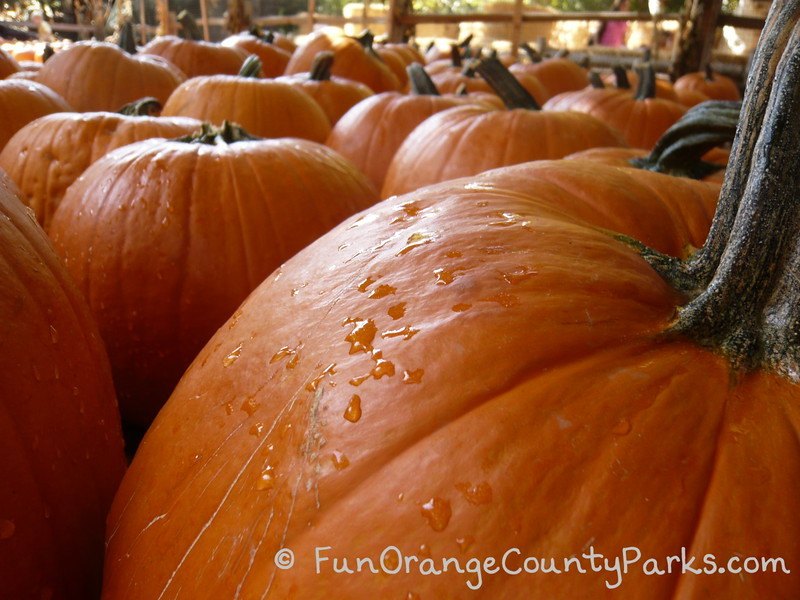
[
  {"x": 680, "y": 150},
  {"x": 621, "y": 77},
  {"x": 596, "y": 81},
  {"x": 251, "y": 68},
  {"x": 144, "y": 107},
  {"x": 228, "y": 133},
  {"x": 321, "y": 67},
  {"x": 421, "y": 82},
  {"x": 127, "y": 39},
  {"x": 532, "y": 54},
  {"x": 749, "y": 306},
  {"x": 647, "y": 82},
  {"x": 506, "y": 85},
  {"x": 189, "y": 29}
]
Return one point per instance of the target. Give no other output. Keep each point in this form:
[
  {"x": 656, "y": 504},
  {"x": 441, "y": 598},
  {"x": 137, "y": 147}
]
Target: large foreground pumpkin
[
  {"x": 507, "y": 375},
  {"x": 61, "y": 453},
  {"x": 166, "y": 238}
]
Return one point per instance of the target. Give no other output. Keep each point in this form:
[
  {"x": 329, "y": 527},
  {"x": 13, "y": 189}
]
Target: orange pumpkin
[
  {"x": 192, "y": 55},
  {"x": 354, "y": 59},
  {"x": 187, "y": 229},
  {"x": 642, "y": 118},
  {"x": 46, "y": 156},
  {"x": 273, "y": 58},
  {"x": 24, "y": 101},
  {"x": 121, "y": 75},
  {"x": 713, "y": 85},
  {"x": 407, "y": 53},
  {"x": 333, "y": 94},
  {"x": 280, "y": 40},
  {"x": 265, "y": 107},
  {"x": 469, "y": 140},
  {"x": 629, "y": 80},
  {"x": 61, "y": 455},
  {"x": 7, "y": 64},
  {"x": 557, "y": 75},
  {"x": 530, "y": 382}
]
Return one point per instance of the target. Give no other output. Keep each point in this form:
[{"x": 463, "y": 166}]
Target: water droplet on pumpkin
[
  {"x": 476, "y": 494},
  {"x": 437, "y": 512},
  {"x": 461, "y": 307},
  {"x": 266, "y": 481},
  {"x": 405, "y": 332},
  {"x": 465, "y": 543},
  {"x": 444, "y": 277},
  {"x": 357, "y": 381},
  {"x": 343, "y": 246},
  {"x": 415, "y": 376},
  {"x": 362, "y": 335},
  {"x": 250, "y": 406},
  {"x": 398, "y": 311},
  {"x": 229, "y": 408},
  {"x": 415, "y": 240},
  {"x": 235, "y": 318},
  {"x": 53, "y": 334},
  {"x": 425, "y": 551},
  {"x": 492, "y": 250},
  {"x": 400, "y": 496},
  {"x": 503, "y": 299},
  {"x": 413, "y": 596},
  {"x": 312, "y": 385},
  {"x": 7, "y": 529},
  {"x": 232, "y": 357},
  {"x": 381, "y": 292},
  {"x": 623, "y": 427},
  {"x": 410, "y": 209},
  {"x": 518, "y": 275},
  {"x": 362, "y": 287},
  {"x": 353, "y": 411},
  {"x": 257, "y": 429},
  {"x": 340, "y": 461},
  {"x": 383, "y": 367},
  {"x": 453, "y": 254}
]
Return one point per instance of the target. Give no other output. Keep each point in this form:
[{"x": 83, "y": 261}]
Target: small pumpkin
[
  {"x": 46, "y": 156},
  {"x": 709, "y": 83},
  {"x": 166, "y": 238},
  {"x": 24, "y": 101},
  {"x": 94, "y": 76},
  {"x": 273, "y": 58},
  {"x": 194, "y": 56},
  {"x": 557, "y": 75},
  {"x": 265, "y": 107},
  {"x": 8, "y": 65},
  {"x": 61, "y": 450}
]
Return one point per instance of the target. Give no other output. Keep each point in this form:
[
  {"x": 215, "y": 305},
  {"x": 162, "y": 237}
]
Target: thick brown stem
[
  {"x": 455, "y": 56},
  {"x": 189, "y": 29},
  {"x": 127, "y": 39},
  {"x": 229, "y": 133},
  {"x": 621, "y": 78},
  {"x": 144, "y": 107},
  {"x": 251, "y": 68},
  {"x": 421, "y": 82},
  {"x": 647, "y": 82},
  {"x": 596, "y": 81},
  {"x": 506, "y": 85},
  {"x": 532, "y": 54},
  {"x": 321, "y": 67}
]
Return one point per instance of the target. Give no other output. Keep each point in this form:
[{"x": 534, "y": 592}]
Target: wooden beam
[
  {"x": 699, "y": 43},
  {"x": 395, "y": 28},
  {"x": 204, "y": 20},
  {"x": 312, "y": 8},
  {"x": 534, "y": 17},
  {"x": 516, "y": 27},
  {"x": 142, "y": 22}
]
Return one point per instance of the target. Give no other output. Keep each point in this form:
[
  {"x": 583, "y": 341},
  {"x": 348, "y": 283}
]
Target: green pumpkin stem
[
  {"x": 228, "y": 133},
  {"x": 742, "y": 288},
  {"x": 189, "y": 29},
  {"x": 647, "y": 82},
  {"x": 144, "y": 107},
  {"x": 596, "y": 81},
  {"x": 506, "y": 85},
  {"x": 621, "y": 78},
  {"x": 421, "y": 82},
  {"x": 321, "y": 67},
  {"x": 127, "y": 39},
  {"x": 251, "y": 68}
]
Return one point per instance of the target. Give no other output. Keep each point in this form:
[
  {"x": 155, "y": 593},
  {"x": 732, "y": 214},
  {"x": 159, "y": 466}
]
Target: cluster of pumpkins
[{"x": 358, "y": 296}]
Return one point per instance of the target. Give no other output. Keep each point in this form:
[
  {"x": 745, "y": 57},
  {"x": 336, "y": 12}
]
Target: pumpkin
[
  {"x": 275, "y": 38},
  {"x": 534, "y": 381},
  {"x": 370, "y": 133},
  {"x": 629, "y": 80},
  {"x": 166, "y": 238},
  {"x": 556, "y": 75},
  {"x": 61, "y": 455},
  {"x": 333, "y": 94},
  {"x": 407, "y": 53},
  {"x": 121, "y": 75},
  {"x": 354, "y": 59},
  {"x": 8, "y": 64},
  {"x": 466, "y": 80},
  {"x": 713, "y": 85},
  {"x": 46, "y": 156},
  {"x": 273, "y": 58},
  {"x": 265, "y": 107},
  {"x": 454, "y": 62},
  {"x": 642, "y": 118},
  {"x": 471, "y": 139},
  {"x": 24, "y": 101},
  {"x": 396, "y": 65},
  {"x": 192, "y": 55}
]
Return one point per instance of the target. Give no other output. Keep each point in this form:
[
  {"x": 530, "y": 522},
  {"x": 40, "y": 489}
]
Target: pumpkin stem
[
  {"x": 470, "y": 69},
  {"x": 562, "y": 53},
  {"x": 251, "y": 68},
  {"x": 709, "y": 70},
  {"x": 421, "y": 82},
  {"x": 744, "y": 294},
  {"x": 596, "y": 81},
  {"x": 533, "y": 55},
  {"x": 647, "y": 82},
  {"x": 144, "y": 107},
  {"x": 47, "y": 53},
  {"x": 455, "y": 55},
  {"x": 621, "y": 78},
  {"x": 189, "y": 29},
  {"x": 229, "y": 133},
  {"x": 462, "y": 90},
  {"x": 466, "y": 41},
  {"x": 506, "y": 85},
  {"x": 127, "y": 40},
  {"x": 680, "y": 150},
  {"x": 321, "y": 67}
]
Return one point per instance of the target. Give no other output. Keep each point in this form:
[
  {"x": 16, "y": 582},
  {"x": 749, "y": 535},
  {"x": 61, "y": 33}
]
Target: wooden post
[
  {"x": 516, "y": 27},
  {"x": 312, "y": 9},
  {"x": 204, "y": 20},
  {"x": 142, "y": 22},
  {"x": 396, "y": 30},
  {"x": 365, "y": 16},
  {"x": 699, "y": 43}
]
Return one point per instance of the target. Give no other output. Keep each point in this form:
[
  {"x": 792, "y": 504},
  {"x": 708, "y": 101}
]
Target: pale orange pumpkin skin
[
  {"x": 24, "y": 101},
  {"x": 716, "y": 87},
  {"x": 510, "y": 447},
  {"x": 335, "y": 96},
  {"x": 557, "y": 75},
  {"x": 122, "y": 78},
  {"x": 166, "y": 238},
  {"x": 273, "y": 58},
  {"x": 45, "y": 157},
  {"x": 61, "y": 450},
  {"x": 195, "y": 57},
  {"x": 8, "y": 65}
]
